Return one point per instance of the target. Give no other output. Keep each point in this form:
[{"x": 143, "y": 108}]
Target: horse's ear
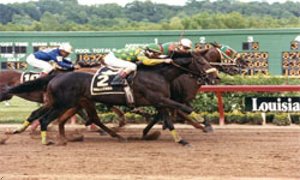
[
  {"x": 200, "y": 51},
  {"x": 216, "y": 45}
]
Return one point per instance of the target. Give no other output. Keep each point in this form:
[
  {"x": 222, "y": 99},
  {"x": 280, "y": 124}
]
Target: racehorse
[
  {"x": 185, "y": 87},
  {"x": 151, "y": 86},
  {"x": 11, "y": 78}
]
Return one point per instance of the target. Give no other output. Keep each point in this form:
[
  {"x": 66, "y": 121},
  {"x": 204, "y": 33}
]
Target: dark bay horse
[
  {"x": 185, "y": 87},
  {"x": 11, "y": 78},
  {"x": 151, "y": 86}
]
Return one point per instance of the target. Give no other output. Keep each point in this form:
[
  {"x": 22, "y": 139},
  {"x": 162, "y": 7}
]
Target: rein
[
  {"x": 222, "y": 64},
  {"x": 201, "y": 74}
]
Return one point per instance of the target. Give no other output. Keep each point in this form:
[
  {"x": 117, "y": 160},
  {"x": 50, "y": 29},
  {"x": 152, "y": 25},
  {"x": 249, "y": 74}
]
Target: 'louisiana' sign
[{"x": 273, "y": 104}]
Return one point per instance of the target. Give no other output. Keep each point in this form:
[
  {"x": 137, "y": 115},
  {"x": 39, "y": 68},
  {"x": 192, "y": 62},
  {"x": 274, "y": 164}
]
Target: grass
[{"x": 17, "y": 110}]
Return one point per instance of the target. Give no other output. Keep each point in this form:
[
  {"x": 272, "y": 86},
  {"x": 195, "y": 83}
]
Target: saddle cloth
[
  {"x": 101, "y": 84},
  {"x": 29, "y": 76}
]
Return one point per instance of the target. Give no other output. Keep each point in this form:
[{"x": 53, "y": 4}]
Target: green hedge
[
  {"x": 280, "y": 119},
  {"x": 207, "y": 102}
]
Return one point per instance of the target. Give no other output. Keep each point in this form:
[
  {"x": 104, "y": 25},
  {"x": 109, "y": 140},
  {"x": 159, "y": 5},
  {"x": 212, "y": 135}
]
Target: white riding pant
[
  {"x": 43, "y": 65},
  {"x": 111, "y": 60}
]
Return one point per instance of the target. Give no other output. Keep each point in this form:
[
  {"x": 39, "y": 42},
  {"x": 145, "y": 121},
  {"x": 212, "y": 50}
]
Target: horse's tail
[
  {"x": 4, "y": 95},
  {"x": 30, "y": 86}
]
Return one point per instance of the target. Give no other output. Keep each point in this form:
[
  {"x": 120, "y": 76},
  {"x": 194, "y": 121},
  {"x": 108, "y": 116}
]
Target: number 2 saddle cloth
[
  {"x": 29, "y": 76},
  {"x": 101, "y": 84}
]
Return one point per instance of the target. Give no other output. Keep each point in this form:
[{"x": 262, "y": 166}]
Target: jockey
[
  {"x": 127, "y": 58},
  {"x": 228, "y": 53},
  {"x": 40, "y": 59},
  {"x": 184, "y": 45}
]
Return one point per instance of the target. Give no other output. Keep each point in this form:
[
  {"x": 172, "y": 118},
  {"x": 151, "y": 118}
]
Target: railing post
[{"x": 221, "y": 108}]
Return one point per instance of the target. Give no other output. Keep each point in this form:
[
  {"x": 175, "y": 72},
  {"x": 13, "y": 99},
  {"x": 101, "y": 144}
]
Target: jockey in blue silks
[{"x": 41, "y": 59}]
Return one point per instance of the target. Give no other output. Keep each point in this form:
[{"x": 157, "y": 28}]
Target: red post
[{"x": 221, "y": 108}]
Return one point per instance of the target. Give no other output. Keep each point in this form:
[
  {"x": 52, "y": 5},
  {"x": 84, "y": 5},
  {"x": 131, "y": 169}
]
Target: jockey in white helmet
[
  {"x": 41, "y": 58},
  {"x": 184, "y": 45}
]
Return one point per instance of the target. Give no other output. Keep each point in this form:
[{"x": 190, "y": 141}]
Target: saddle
[{"x": 101, "y": 84}]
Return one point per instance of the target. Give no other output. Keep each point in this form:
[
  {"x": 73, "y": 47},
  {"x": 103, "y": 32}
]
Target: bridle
[{"x": 202, "y": 74}]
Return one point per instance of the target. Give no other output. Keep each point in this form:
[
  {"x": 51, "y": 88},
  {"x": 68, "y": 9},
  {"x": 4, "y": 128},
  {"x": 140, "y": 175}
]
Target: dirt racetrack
[{"x": 231, "y": 152}]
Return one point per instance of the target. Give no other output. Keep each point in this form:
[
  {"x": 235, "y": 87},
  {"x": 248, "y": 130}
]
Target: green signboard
[{"x": 273, "y": 51}]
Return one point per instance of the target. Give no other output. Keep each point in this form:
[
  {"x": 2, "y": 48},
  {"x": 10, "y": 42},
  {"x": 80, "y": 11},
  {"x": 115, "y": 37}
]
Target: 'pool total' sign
[{"x": 273, "y": 104}]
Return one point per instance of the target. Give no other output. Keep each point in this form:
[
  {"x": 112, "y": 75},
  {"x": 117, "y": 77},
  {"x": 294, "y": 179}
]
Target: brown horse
[
  {"x": 151, "y": 87},
  {"x": 11, "y": 78},
  {"x": 185, "y": 87}
]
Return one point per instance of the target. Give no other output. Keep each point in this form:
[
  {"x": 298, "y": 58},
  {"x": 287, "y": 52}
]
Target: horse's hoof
[
  {"x": 76, "y": 138},
  {"x": 16, "y": 131},
  {"x": 184, "y": 143},
  {"x": 48, "y": 143},
  {"x": 153, "y": 136},
  {"x": 3, "y": 140},
  {"x": 121, "y": 124},
  {"x": 61, "y": 143},
  {"x": 9, "y": 132},
  {"x": 121, "y": 139},
  {"x": 208, "y": 129},
  {"x": 116, "y": 129},
  {"x": 102, "y": 133}
]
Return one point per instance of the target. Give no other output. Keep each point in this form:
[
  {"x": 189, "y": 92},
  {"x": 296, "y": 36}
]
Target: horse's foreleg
[
  {"x": 33, "y": 116},
  {"x": 190, "y": 121},
  {"x": 50, "y": 116},
  {"x": 166, "y": 118},
  {"x": 166, "y": 102},
  {"x": 92, "y": 113},
  {"x": 121, "y": 115},
  {"x": 62, "y": 121},
  {"x": 149, "y": 126}
]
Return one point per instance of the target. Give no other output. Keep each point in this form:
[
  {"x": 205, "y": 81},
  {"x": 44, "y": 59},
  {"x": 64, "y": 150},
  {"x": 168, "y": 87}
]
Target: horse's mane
[
  {"x": 215, "y": 44},
  {"x": 178, "y": 54}
]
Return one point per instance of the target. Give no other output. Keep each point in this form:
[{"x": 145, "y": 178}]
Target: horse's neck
[
  {"x": 170, "y": 72},
  {"x": 212, "y": 55}
]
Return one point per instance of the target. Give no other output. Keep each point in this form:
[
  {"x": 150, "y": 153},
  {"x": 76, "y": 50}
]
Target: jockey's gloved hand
[
  {"x": 77, "y": 66},
  {"x": 168, "y": 61}
]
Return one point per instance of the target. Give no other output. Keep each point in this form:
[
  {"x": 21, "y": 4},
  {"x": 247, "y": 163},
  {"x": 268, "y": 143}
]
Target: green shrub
[
  {"x": 254, "y": 118},
  {"x": 295, "y": 118},
  {"x": 281, "y": 119},
  {"x": 270, "y": 117},
  {"x": 134, "y": 118},
  {"x": 108, "y": 117},
  {"x": 212, "y": 117},
  {"x": 238, "y": 118}
]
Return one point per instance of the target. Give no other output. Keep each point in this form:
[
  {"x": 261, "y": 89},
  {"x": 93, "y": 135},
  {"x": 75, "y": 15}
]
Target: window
[
  {"x": 20, "y": 49},
  {"x": 13, "y": 49}
]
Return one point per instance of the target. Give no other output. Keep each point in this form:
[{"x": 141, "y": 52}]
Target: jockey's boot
[{"x": 119, "y": 79}]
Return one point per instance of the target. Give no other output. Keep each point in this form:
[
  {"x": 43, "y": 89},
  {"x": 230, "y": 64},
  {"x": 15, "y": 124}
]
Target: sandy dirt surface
[{"x": 231, "y": 152}]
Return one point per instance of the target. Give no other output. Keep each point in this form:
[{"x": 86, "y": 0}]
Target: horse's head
[
  {"x": 207, "y": 73},
  {"x": 225, "y": 58}
]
